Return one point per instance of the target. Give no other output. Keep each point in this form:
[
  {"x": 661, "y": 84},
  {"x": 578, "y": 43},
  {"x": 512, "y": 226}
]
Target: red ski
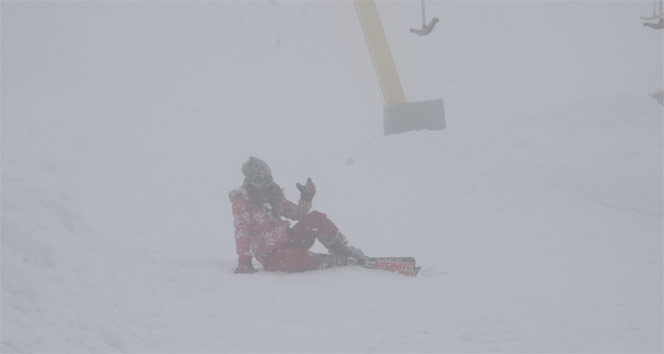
[{"x": 402, "y": 265}]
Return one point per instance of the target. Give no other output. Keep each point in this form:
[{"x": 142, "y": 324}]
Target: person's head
[
  {"x": 259, "y": 183},
  {"x": 257, "y": 173}
]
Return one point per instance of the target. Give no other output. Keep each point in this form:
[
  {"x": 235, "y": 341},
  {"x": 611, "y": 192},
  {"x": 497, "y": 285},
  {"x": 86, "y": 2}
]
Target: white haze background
[{"x": 536, "y": 215}]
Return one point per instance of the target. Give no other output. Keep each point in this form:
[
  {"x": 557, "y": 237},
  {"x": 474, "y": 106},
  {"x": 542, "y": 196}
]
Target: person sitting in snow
[{"x": 259, "y": 209}]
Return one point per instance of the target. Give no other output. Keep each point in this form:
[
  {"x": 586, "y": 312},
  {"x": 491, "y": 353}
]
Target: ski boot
[
  {"x": 338, "y": 245},
  {"x": 332, "y": 260}
]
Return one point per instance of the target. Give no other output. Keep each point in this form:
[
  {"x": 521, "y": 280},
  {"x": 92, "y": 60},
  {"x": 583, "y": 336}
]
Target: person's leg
[
  {"x": 294, "y": 256},
  {"x": 292, "y": 260},
  {"x": 288, "y": 259},
  {"x": 314, "y": 225},
  {"x": 317, "y": 225}
]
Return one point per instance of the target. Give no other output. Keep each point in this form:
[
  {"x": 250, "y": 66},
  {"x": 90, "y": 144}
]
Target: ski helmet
[{"x": 255, "y": 167}]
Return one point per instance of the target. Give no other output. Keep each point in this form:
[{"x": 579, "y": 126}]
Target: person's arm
[
  {"x": 297, "y": 212},
  {"x": 242, "y": 221},
  {"x": 294, "y": 211}
]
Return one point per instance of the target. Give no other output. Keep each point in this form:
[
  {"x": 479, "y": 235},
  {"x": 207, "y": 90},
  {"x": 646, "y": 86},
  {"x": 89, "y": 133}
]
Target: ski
[{"x": 401, "y": 265}]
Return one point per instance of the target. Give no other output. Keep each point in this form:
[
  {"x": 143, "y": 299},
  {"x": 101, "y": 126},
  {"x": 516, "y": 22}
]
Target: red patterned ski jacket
[{"x": 257, "y": 230}]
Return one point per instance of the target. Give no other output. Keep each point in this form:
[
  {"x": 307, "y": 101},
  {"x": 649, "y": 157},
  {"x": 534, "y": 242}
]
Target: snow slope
[
  {"x": 531, "y": 237},
  {"x": 537, "y": 232}
]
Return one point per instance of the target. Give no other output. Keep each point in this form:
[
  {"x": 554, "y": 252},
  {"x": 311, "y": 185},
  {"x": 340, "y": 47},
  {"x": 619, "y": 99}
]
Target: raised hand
[{"x": 307, "y": 191}]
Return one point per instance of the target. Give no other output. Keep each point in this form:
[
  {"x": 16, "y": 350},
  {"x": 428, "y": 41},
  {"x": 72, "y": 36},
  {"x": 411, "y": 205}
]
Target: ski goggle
[{"x": 260, "y": 180}]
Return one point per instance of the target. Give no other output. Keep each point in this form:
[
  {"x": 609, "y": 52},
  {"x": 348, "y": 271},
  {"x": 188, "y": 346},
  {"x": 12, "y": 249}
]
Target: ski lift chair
[
  {"x": 426, "y": 28},
  {"x": 657, "y": 13}
]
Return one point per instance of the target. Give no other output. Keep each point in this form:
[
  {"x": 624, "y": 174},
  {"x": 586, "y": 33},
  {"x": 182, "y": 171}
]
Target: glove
[
  {"x": 244, "y": 266},
  {"x": 307, "y": 191}
]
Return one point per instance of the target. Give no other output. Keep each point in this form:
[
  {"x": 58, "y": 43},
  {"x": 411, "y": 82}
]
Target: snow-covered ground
[{"x": 537, "y": 215}]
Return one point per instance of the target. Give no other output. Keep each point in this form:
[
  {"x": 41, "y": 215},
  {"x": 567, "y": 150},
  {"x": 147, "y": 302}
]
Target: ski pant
[{"x": 294, "y": 255}]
